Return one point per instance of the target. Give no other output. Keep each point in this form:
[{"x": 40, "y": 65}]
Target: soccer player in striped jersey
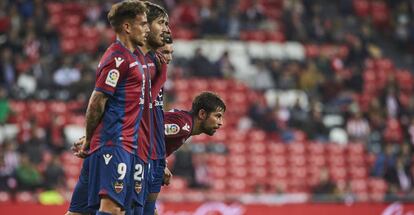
[
  {"x": 153, "y": 149},
  {"x": 113, "y": 117}
]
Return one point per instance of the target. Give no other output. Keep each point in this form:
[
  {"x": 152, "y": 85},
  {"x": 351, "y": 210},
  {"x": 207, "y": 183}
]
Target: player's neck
[
  {"x": 125, "y": 42},
  {"x": 146, "y": 48},
  {"x": 196, "y": 127}
]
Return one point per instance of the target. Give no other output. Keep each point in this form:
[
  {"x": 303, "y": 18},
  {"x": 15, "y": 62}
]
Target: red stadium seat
[
  {"x": 361, "y": 7},
  {"x": 5, "y": 197},
  {"x": 25, "y": 197},
  {"x": 297, "y": 160},
  {"x": 355, "y": 149},
  {"x": 277, "y": 161},
  {"x": 296, "y": 148},
  {"x": 336, "y": 160},
  {"x": 338, "y": 173},
  {"x": 335, "y": 149},
  {"x": 315, "y": 148},
  {"x": 360, "y": 188},
  {"x": 316, "y": 160},
  {"x": 358, "y": 173},
  {"x": 278, "y": 173},
  {"x": 277, "y": 148},
  {"x": 377, "y": 189}
]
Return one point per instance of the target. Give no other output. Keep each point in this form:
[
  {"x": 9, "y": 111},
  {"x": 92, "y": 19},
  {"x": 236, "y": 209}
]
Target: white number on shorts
[
  {"x": 122, "y": 168},
  {"x": 139, "y": 174}
]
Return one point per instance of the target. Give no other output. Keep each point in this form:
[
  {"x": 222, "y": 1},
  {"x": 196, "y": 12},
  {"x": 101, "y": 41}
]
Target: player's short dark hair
[
  {"x": 208, "y": 101},
  {"x": 125, "y": 10},
  {"x": 155, "y": 11}
]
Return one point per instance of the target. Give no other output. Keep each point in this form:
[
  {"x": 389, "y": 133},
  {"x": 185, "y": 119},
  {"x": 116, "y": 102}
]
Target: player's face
[
  {"x": 213, "y": 122},
  {"x": 167, "y": 51},
  {"x": 158, "y": 28},
  {"x": 139, "y": 30}
]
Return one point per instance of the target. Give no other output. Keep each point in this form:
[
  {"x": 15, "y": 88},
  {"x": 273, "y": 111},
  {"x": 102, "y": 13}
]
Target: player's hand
[
  {"x": 160, "y": 59},
  {"x": 167, "y": 176},
  {"x": 81, "y": 147},
  {"x": 77, "y": 145}
]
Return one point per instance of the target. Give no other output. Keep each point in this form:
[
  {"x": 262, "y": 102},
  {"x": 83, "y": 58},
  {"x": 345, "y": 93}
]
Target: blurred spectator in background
[
  {"x": 9, "y": 160},
  {"x": 325, "y": 189},
  {"x": 358, "y": 127},
  {"x": 200, "y": 66},
  {"x": 28, "y": 177},
  {"x": 384, "y": 161},
  {"x": 183, "y": 164},
  {"x": 7, "y": 69},
  {"x": 399, "y": 177},
  {"x": 225, "y": 66},
  {"x": 4, "y": 107},
  {"x": 54, "y": 176},
  {"x": 262, "y": 78}
]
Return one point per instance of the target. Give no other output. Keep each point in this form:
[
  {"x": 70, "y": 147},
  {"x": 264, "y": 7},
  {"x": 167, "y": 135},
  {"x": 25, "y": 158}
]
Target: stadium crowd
[{"x": 50, "y": 54}]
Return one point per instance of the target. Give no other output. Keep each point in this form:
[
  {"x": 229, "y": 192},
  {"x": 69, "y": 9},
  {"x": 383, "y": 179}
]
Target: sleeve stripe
[{"x": 104, "y": 91}]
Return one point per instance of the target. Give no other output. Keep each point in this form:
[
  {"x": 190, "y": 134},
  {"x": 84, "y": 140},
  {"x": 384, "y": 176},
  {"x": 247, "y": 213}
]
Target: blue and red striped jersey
[
  {"x": 152, "y": 147},
  {"x": 178, "y": 128},
  {"x": 119, "y": 75}
]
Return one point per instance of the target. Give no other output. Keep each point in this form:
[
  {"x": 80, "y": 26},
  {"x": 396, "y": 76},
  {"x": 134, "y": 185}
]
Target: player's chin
[{"x": 211, "y": 132}]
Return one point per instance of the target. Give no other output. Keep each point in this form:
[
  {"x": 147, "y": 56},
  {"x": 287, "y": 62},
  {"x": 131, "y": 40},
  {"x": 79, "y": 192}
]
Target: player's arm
[
  {"x": 161, "y": 74},
  {"x": 94, "y": 113}
]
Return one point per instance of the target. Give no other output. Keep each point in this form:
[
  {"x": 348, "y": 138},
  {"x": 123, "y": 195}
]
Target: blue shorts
[
  {"x": 156, "y": 174},
  {"x": 139, "y": 185},
  {"x": 107, "y": 172},
  {"x": 79, "y": 201}
]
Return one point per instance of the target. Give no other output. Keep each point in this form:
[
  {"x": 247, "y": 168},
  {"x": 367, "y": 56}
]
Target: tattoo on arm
[{"x": 94, "y": 113}]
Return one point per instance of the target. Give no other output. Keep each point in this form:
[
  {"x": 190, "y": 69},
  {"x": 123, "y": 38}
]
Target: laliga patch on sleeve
[
  {"x": 171, "y": 129},
  {"x": 112, "y": 78}
]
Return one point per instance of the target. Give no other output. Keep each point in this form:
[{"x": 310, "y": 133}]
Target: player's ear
[
  {"x": 202, "y": 114},
  {"x": 127, "y": 27}
]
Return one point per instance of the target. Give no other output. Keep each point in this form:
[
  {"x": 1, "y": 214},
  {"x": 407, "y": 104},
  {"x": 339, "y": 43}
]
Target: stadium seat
[
  {"x": 360, "y": 188},
  {"x": 25, "y": 197},
  {"x": 5, "y": 197},
  {"x": 361, "y": 7},
  {"x": 377, "y": 189}
]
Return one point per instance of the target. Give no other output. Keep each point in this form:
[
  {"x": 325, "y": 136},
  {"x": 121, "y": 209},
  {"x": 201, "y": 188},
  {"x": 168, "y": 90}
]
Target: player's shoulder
[
  {"x": 116, "y": 55},
  {"x": 177, "y": 121}
]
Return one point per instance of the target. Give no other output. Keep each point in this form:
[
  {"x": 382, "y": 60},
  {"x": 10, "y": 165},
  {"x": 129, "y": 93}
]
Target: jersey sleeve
[
  {"x": 110, "y": 73},
  {"x": 176, "y": 125}
]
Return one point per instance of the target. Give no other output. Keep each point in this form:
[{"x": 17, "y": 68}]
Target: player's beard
[
  {"x": 154, "y": 42},
  {"x": 137, "y": 42},
  {"x": 207, "y": 130}
]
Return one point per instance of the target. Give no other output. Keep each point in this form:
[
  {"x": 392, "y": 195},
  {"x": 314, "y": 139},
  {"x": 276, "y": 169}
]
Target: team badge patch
[
  {"x": 138, "y": 186},
  {"x": 119, "y": 186},
  {"x": 112, "y": 78},
  {"x": 171, "y": 129}
]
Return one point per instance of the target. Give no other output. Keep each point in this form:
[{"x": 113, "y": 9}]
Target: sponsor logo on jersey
[
  {"x": 107, "y": 158},
  {"x": 171, "y": 129},
  {"x": 112, "y": 78},
  {"x": 138, "y": 186},
  {"x": 118, "y": 61},
  {"x": 118, "y": 186},
  {"x": 186, "y": 127}
]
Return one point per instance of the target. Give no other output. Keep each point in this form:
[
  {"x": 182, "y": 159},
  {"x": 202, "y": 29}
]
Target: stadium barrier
[{"x": 184, "y": 208}]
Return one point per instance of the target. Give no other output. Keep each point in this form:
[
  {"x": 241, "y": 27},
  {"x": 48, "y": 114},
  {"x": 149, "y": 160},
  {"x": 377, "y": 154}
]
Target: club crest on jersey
[
  {"x": 118, "y": 186},
  {"x": 138, "y": 186},
  {"x": 112, "y": 78},
  {"x": 171, "y": 129}
]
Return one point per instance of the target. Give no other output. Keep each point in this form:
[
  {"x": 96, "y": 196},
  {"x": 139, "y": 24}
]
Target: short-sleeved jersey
[
  {"x": 152, "y": 119},
  {"x": 178, "y": 128},
  {"x": 120, "y": 76},
  {"x": 158, "y": 151}
]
